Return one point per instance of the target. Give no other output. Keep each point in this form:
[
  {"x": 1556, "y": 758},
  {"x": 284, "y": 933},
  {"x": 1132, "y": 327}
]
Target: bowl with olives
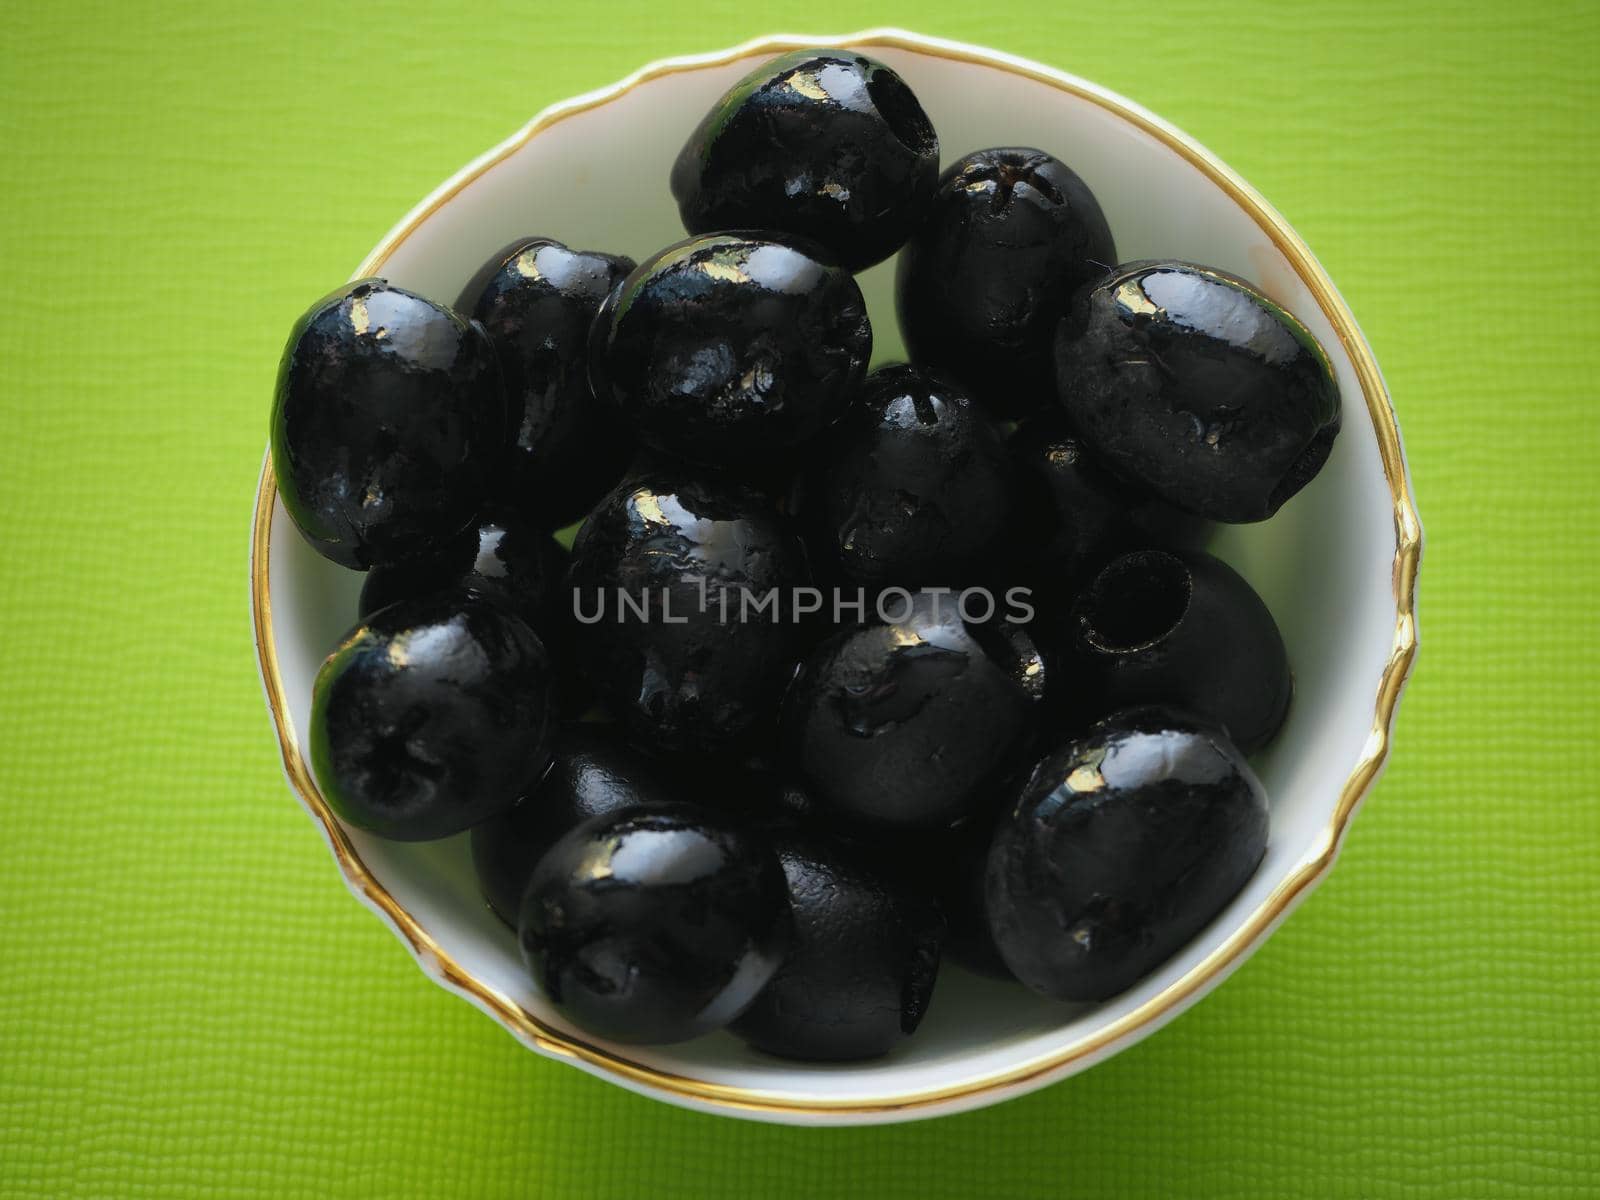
[{"x": 834, "y": 581}]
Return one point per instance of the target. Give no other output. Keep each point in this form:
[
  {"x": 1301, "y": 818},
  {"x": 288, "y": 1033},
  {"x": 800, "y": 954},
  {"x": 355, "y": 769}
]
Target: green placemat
[{"x": 189, "y": 1002}]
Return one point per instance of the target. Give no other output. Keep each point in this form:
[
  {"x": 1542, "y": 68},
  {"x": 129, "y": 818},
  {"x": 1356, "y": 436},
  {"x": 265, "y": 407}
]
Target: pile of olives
[{"x": 846, "y": 675}]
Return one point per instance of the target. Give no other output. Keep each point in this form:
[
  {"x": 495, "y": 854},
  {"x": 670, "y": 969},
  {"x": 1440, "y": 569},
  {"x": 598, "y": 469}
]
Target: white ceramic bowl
[{"x": 1337, "y": 566}]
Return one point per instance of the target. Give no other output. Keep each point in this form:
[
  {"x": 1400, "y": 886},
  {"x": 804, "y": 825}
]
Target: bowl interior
[{"x": 598, "y": 179}]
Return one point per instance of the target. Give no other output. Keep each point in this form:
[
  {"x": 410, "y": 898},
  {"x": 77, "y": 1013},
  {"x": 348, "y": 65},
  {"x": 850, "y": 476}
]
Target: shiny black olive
[
  {"x": 1158, "y": 627},
  {"x": 537, "y": 300},
  {"x": 731, "y": 348},
  {"x": 592, "y": 771},
  {"x": 904, "y": 724},
  {"x": 503, "y": 557},
  {"x": 911, "y": 489},
  {"x": 670, "y": 580},
  {"x": 1195, "y": 385},
  {"x": 821, "y": 144},
  {"x": 389, "y": 418},
  {"x": 1119, "y": 849},
  {"x": 431, "y": 717},
  {"x": 1075, "y": 514},
  {"x": 861, "y": 969},
  {"x": 1011, "y": 235},
  {"x": 655, "y": 924}
]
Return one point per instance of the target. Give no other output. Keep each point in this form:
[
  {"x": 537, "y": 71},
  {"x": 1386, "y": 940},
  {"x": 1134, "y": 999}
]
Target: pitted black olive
[
  {"x": 821, "y": 144},
  {"x": 671, "y": 576},
  {"x": 1011, "y": 235},
  {"x": 387, "y": 423},
  {"x": 911, "y": 489},
  {"x": 592, "y": 771},
  {"x": 655, "y": 924},
  {"x": 1121, "y": 846},
  {"x": 1183, "y": 628},
  {"x": 730, "y": 348},
  {"x": 431, "y": 717},
  {"x": 860, "y": 972},
  {"x": 1194, "y": 384},
  {"x": 537, "y": 300},
  {"x": 1076, "y": 514},
  {"x": 905, "y": 724}
]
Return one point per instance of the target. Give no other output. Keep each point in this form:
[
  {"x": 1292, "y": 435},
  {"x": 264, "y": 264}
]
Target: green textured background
[{"x": 189, "y": 1001}]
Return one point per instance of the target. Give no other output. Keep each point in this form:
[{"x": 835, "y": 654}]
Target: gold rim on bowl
[{"x": 1315, "y": 863}]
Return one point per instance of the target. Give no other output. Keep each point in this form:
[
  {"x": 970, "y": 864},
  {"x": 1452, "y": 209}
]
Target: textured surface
[{"x": 189, "y": 1001}]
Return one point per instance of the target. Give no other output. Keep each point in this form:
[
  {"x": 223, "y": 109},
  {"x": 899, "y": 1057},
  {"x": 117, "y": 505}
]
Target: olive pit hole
[
  {"x": 901, "y": 112},
  {"x": 1135, "y": 601}
]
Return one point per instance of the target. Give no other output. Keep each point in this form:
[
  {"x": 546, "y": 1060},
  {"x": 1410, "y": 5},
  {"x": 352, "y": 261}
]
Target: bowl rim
[{"x": 1082, "y": 1051}]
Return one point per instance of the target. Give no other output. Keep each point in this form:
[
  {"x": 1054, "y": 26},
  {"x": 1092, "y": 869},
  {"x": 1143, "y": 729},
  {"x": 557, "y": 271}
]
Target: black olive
[
  {"x": 431, "y": 717},
  {"x": 1122, "y": 845},
  {"x": 861, "y": 970},
  {"x": 503, "y": 557},
  {"x": 671, "y": 576},
  {"x": 943, "y": 865},
  {"x": 655, "y": 924},
  {"x": 1076, "y": 514},
  {"x": 1194, "y": 384},
  {"x": 911, "y": 489},
  {"x": 592, "y": 771},
  {"x": 822, "y": 144},
  {"x": 732, "y": 347},
  {"x": 1011, "y": 235},
  {"x": 904, "y": 724},
  {"x": 1158, "y": 627},
  {"x": 387, "y": 423},
  {"x": 537, "y": 300}
]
